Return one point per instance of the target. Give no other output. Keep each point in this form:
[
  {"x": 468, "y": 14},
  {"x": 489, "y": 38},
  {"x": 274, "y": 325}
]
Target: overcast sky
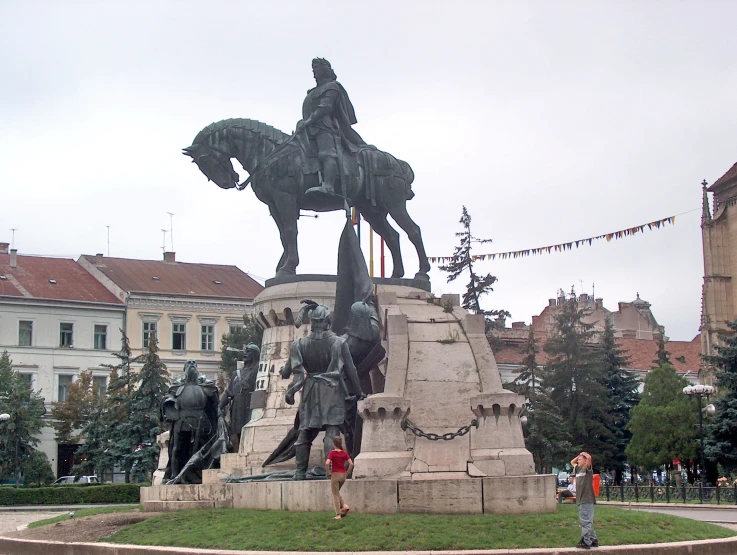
[{"x": 550, "y": 121}]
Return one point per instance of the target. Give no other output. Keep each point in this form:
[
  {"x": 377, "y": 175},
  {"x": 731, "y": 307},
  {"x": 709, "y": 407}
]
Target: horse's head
[{"x": 214, "y": 163}]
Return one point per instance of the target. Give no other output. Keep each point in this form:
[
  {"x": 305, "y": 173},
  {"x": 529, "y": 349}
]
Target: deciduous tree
[
  {"x": 663, "y": 424},
  {"x": 71, "y": 416}
]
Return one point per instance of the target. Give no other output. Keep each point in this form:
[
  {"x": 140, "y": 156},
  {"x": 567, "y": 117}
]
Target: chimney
[
  {"x": 518, "y": 325},
  {"x": 551, "y": 302},
  {"x": 4, "y": 248},
  {"x": 99, "y": 255},
  {"x": 170, "y": 256},
  {"x": 13, "y": 258},
  {"x": 600, "y": 303},
  {"x": 583, "y": 298}
]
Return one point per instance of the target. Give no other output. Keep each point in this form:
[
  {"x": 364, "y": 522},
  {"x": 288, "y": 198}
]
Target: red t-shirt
[{"x": 338, "y": 459}]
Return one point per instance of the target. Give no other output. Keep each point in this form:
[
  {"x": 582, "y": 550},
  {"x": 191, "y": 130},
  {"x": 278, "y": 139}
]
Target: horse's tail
[{"x": 409, "y": 180}]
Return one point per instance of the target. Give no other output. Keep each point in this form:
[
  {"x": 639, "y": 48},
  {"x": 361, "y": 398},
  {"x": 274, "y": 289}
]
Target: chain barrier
[{"x": 462, "y": 431}]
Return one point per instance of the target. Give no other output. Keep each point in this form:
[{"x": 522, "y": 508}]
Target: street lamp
[{"x": 700, "y": 391}]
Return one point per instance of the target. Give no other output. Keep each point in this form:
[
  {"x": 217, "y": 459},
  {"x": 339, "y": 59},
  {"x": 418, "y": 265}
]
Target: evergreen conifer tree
[
  {"x": 574, "y": 376},
  {"x": 545, "y": 434},
  {"x": 19, "y": 435},
  {"x": 721, "y": 433},
  {"x": 118, "y": 445},
  {"x": 144, "y": 422},
  {"x": 478, "y": 285},
  {"x": 622, "y": 389},
  {"x": 663, "y": 356}
]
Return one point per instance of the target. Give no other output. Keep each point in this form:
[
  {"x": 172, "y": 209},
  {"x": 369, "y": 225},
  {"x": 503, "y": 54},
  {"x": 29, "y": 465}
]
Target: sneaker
[
  {"x": 582, "y": 544},
  {"x": 595, "y": 543}
]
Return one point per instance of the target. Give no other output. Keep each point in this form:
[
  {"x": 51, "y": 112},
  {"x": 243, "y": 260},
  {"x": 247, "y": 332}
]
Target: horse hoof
[{"x": 422, "y": 276}]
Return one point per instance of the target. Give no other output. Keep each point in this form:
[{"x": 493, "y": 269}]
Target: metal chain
[{"x": 462, "y": 431}]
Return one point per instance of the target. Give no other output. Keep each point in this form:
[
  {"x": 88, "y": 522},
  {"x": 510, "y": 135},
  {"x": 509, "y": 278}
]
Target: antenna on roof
[
  {"x": 171, "y": 230},
  {"x": 12, "y": 240},
  {"x": 163, "y": 245},
  {"x": 108, "y": 240}
]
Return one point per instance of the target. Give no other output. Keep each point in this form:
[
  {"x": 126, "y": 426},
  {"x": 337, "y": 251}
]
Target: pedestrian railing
[{"x": 724, "y": 495}]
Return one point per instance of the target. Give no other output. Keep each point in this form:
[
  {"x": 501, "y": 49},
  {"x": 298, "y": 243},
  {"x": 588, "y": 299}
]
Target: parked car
[{"x": 77, "y": 480}]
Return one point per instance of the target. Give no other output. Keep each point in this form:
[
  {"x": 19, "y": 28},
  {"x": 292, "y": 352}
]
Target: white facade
[{"x": 51, "y": 342}]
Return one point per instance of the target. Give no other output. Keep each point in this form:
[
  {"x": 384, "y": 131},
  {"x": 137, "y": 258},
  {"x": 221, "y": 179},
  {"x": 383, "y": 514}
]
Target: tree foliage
[
  {"x": 37, "y": 469},
  {"x": 663, "y": 356},
  {"x": 71, "y": 416},
  {"x": 721, "y": 432},
  {"x": 478, "y": 285},
  {"x": 622, "y": 396},
  {"x": 241, "y": 336},
  {"x": 545, "y": 435},
  {"x": 664, "y": 422},
  {"x": 574, "y": 376},
  {"x": 19, "y": 434}
]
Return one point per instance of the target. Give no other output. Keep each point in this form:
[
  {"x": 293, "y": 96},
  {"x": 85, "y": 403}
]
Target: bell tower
[{"x": 719, "y": 236}]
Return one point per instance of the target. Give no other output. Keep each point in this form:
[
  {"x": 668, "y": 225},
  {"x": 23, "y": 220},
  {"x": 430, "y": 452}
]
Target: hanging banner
[{"x": 561, "y": 247}]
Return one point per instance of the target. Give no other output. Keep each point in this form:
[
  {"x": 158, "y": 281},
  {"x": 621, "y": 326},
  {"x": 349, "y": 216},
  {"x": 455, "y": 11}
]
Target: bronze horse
[{"x": 281, "y": 170}]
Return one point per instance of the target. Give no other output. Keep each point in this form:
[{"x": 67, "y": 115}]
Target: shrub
[{"x": 70, "y": 495}]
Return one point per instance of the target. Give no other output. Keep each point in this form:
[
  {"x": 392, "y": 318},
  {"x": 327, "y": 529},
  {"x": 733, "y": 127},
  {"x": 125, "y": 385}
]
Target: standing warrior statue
[
  {"x": 191, "y": 410},
  {"x": 323, "y": 369},
  {"x": 238, "y": 393},
  {"x": 327, "y": 116}
]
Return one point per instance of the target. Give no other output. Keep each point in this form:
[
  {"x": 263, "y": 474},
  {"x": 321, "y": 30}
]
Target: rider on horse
[{"x": 327, "y": 115}]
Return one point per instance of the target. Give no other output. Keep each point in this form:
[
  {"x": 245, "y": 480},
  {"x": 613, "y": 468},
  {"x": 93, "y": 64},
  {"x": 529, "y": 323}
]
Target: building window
[
  {"x": 100, "y": 340},
  {"x": 64, "y": 382},
  {"x": 149, "y": 328},
  {"x": 25, "y": 333},
  {"x": 179, "y": 337},
  {"x": 99, "y": 385},
  {"x": 208, "y": 338},
  {"x": 66, "y": 334}
]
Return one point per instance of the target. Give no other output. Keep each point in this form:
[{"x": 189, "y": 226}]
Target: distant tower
[{"x": 719, "y": 236}]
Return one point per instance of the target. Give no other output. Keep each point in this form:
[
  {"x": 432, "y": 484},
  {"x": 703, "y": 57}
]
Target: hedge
[{"x": 65, "y": 495}]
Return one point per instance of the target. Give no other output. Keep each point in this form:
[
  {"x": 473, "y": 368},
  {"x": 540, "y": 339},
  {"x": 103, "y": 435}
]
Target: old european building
[
  {"x": 55, "y": 322},
  {"x": 188, "y": 306},
  {"x": 636, "y": 332},
  {"x": 719, "y": 236}
]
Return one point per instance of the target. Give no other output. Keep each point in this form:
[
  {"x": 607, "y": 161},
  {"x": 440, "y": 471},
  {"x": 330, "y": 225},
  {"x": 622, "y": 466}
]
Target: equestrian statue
[{"x": 324, "y": 166}]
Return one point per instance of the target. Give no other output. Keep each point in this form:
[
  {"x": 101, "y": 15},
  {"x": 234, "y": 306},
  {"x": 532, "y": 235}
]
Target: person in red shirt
[{"x": 336, "y": 469}]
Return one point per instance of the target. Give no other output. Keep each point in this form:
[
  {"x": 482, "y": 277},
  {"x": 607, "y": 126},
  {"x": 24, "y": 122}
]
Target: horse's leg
[
  {"x": 285, "y": 205},
  {"x": 377, "y": 220},
  {"x": 399, "y": 214},
  {"x": 275, "y": 215}
]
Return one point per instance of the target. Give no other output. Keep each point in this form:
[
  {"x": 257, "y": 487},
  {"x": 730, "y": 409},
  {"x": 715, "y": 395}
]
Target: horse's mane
[{"x": 249, "y": 124}]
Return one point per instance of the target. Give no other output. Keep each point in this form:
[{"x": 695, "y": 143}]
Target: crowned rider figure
[{"x": 327, "y": 116}]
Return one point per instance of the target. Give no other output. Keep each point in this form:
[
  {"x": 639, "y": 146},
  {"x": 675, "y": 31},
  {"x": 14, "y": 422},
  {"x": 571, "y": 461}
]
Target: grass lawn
[
  {"x": 295, "y": 531},
  {"x": 86, "y": 512}
]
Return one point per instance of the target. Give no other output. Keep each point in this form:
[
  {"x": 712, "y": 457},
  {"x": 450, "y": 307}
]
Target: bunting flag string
[{"x": 561, "y": 247}]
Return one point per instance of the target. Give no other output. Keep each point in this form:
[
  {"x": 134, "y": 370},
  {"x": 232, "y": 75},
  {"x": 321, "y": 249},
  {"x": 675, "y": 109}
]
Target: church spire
[{"x": 705, "y": 214}]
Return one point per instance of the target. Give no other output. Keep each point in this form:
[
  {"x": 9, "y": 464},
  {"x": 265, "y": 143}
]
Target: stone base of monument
[
  {"x": 440, "y": 434},
  {"x": 500, "y": 495}
]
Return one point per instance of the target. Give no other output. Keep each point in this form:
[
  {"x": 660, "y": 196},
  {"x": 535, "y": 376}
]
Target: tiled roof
[
  {"x": 685, "y": 355},
  {"x": 727, "y": 177},
  {"x": 176, "y": 278},
  {"x": 33, "y": 277}
]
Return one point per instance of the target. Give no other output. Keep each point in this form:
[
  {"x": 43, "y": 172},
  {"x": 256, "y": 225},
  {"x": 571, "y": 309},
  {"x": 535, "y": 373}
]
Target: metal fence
[{"x": 723, "y": 495}]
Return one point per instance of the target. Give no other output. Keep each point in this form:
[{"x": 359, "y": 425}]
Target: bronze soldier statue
[
  {"x": 327, "y": 116},
  {"x": 323, "y": 369},
  {"x": 237, "y": 395},
  {"x": 190, "y": 408}
]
